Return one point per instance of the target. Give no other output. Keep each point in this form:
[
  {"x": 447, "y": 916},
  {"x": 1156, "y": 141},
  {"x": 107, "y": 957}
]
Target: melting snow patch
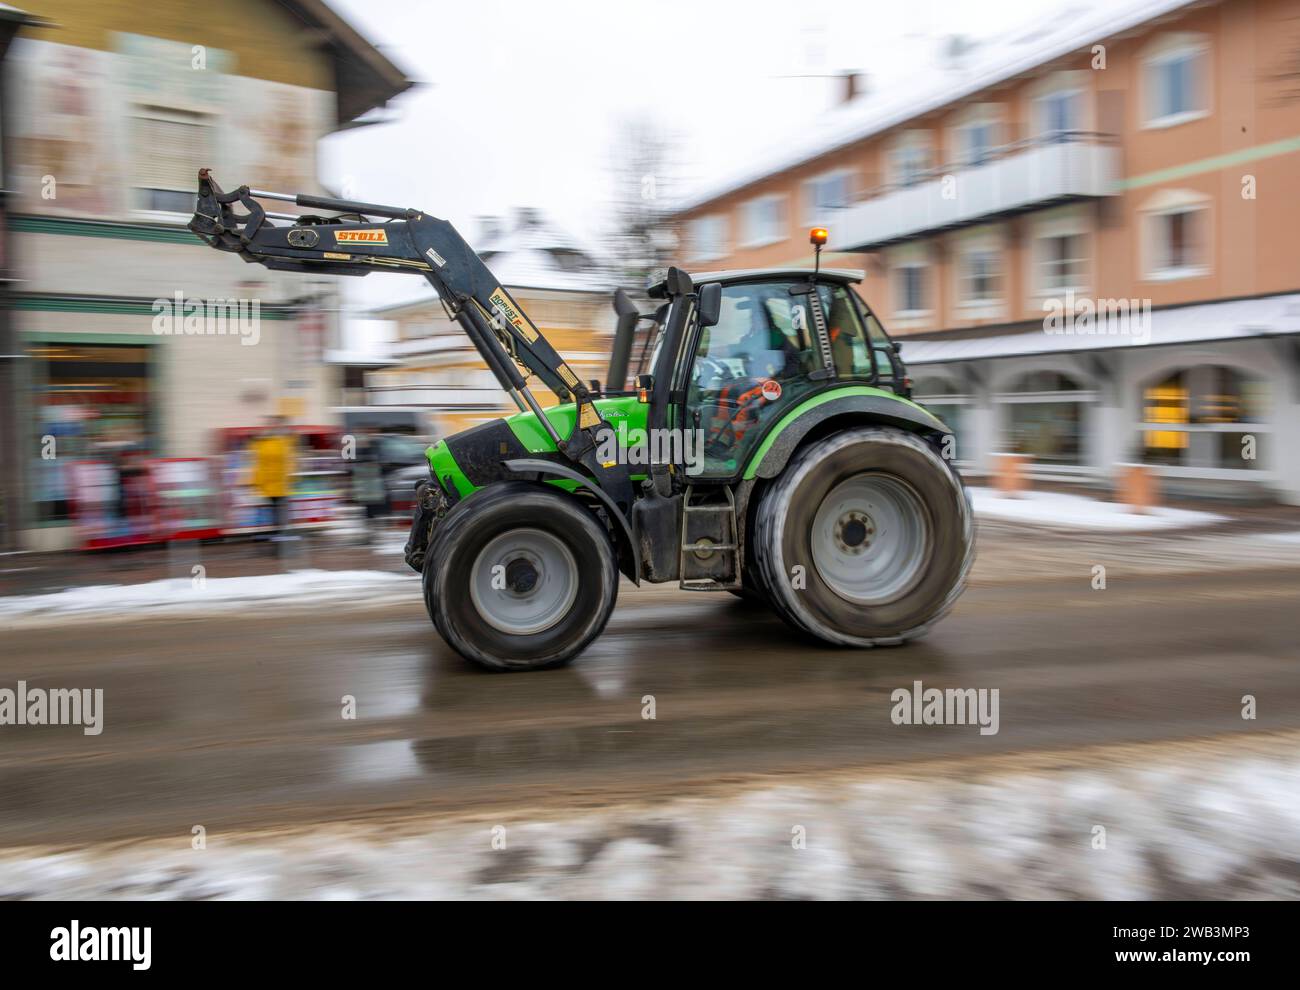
[
  {"x": 182, "y": 595},
  {"x": 1078, "y": 512},
  {"x": 1203, "y": 822}
]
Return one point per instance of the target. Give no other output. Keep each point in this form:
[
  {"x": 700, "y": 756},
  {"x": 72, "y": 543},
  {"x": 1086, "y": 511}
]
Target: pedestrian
[{"x": 273, "y": 468}]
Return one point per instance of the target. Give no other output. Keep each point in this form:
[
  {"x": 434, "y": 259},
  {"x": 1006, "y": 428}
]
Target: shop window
[
  {"x": 1045, "y": 417},
  {"x": 93, "y": 404},
  {"x": 1207, "y": 416},
  {"x": 942, "y": 397}
]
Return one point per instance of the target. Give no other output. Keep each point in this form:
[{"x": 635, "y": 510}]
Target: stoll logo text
[{"x": 77, "y": 944}]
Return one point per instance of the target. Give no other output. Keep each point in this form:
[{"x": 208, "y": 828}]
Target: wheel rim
[
  {"x": 524, "y": 581},
  {"x": 871, "y": 539}
]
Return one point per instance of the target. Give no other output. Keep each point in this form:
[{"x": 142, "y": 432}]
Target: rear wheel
[
  {"x": 865, "y": 538},
  {"x": 520, "y": 577}
]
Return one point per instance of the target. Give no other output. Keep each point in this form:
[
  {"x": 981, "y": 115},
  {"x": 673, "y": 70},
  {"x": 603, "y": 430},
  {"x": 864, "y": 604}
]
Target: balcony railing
[{"x": 1027, "y": 175}]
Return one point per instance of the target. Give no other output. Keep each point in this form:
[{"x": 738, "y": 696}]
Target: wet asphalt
[{"x": 235, "y": 720}]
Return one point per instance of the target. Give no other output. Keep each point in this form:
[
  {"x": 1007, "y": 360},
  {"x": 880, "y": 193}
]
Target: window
[
  {"x": 1207, "y": 416},
  {"x": 1176, "y": 242},
  {"x": 1062, "y": 262},
  {"x": 1058, "y": 114},
  {"x": 978, "y": 272},
  {"x": 173, "y": 145},
  {"x": 1174, "y": 80},
  {"x": 976, "y": 141},
  {"x": 850, "y": 345},
  {"x": 910, "y": 289},
  {"x": 980, "y": 275},
  {"x": 707, "y": 237},
  {"x": 1045, "y": 417},
  {"x": 763, "y": 221},
  {"x": 825, "y": 194},
  {"x": 909, "y": 160}
]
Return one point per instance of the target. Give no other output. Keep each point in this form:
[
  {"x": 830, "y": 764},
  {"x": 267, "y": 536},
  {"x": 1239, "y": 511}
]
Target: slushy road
[{"x": 234, "y": 720}]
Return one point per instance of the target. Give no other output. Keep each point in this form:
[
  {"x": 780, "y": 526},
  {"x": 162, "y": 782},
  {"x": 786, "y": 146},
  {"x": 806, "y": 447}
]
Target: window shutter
[{"x": 173, "y": 147}]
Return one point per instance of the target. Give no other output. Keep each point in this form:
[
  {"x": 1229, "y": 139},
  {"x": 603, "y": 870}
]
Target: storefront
[
  {"x": 89, "y": 403},
  {"x": 1203, "y": 398}
]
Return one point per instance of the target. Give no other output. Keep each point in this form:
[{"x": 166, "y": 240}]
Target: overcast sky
[{"x": 520, "y": 99}]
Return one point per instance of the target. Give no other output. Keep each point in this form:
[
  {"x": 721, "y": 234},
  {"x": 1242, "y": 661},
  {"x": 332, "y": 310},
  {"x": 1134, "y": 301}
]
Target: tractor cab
[{"x": 755, "y": 344}]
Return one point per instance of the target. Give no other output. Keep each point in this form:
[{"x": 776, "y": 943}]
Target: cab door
[
  {"x": 753, "y": 363},
  {"x": 761, "y": 358}
]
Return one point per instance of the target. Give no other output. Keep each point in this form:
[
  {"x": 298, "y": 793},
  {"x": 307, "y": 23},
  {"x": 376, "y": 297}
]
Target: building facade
[
  {"x": 1083, "y": 238},
  {"x": 133, "y": 335}
]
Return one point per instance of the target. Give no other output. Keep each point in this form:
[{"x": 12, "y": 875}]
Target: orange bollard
[
  {"x": 1010, "y": 479},
  {"x": 1139, "y": 487}
]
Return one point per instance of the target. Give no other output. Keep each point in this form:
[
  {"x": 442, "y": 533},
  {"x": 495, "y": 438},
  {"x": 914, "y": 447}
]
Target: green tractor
[{"x": 769, "y": 448}]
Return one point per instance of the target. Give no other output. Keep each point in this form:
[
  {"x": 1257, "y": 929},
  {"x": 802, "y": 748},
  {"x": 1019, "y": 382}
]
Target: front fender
[
  {"x": 631, "y": 553},
  {"x": 854, "y": 404}
]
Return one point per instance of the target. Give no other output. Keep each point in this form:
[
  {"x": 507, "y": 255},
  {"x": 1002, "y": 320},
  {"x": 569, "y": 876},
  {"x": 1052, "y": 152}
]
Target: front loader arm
[{"x": 408, "y": 240}]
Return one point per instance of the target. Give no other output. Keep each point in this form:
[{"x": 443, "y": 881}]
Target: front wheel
[
  {"x": 865, "y": 538},
  {"x": 520, "y": 577}
]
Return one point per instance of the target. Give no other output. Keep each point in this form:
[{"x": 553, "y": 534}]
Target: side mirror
[
  {"x": 624, "y": 331},
  {"x": 898, "y": 348},
  {"x": 710, "y": 304}
]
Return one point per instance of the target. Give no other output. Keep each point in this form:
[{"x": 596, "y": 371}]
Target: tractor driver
[{"x": 765, "y": 351}]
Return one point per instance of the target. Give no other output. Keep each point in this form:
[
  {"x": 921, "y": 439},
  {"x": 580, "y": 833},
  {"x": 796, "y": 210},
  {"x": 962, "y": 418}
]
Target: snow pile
[
  {"x": 1078, "y": 512},
  {"x": 305, "y": 588},
  {"x": 1216, "y": 821}
]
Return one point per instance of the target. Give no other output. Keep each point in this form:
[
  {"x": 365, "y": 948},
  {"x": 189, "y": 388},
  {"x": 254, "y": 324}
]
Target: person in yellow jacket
[{"x": 274, "y": 455}]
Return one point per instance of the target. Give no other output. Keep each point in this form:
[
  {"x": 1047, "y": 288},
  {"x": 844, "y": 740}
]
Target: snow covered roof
[
  {"x": 358, "y": 358},
  {"x": 1019, "y": 51},
  {"x": 1234, "y": 319},
  {"x": 529, "y": 251}
]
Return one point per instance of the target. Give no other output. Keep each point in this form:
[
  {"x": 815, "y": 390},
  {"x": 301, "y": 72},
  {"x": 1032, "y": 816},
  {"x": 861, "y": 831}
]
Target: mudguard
[
  {"x": 630, "y": 563},
  {"x": 858, "y": 404}
]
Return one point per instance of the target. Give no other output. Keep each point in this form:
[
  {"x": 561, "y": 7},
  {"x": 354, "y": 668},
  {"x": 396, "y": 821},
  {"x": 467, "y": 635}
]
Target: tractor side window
[
  {"x": 883, "y": 348},
  {"x": 850, "y": 347},
  {"x": 747, "y": 369}
]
